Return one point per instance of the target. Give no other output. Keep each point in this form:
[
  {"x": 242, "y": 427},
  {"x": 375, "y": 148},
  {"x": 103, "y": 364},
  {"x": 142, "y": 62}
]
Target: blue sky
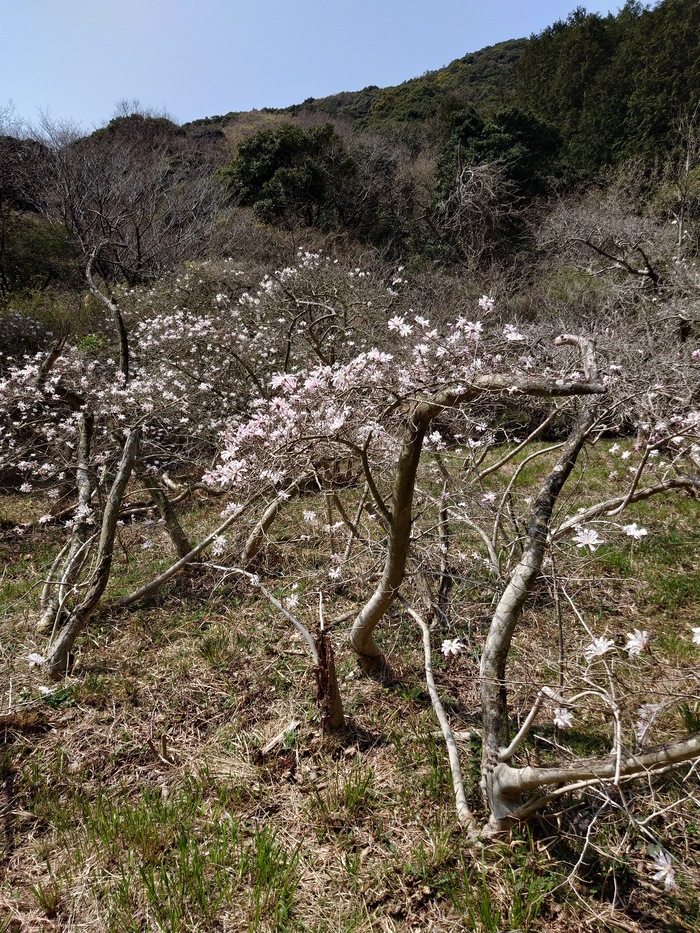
[{"x": 76, "y": 59}]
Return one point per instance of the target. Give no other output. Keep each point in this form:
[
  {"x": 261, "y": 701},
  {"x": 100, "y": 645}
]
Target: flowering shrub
[{"x": 417, "y": 429}]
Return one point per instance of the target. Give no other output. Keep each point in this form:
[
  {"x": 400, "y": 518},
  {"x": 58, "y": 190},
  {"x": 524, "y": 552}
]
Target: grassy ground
[{"x": 145, "y": 792}]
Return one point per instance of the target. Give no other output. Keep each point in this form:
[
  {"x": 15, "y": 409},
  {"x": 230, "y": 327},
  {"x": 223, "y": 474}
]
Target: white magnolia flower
[
  {"x": 489, "y": 497},
  {"x": 218, "y": 545},
  {"x": 309, "y": 516},
  {"x": 563, "y": 718},
  {"x": 35, "y": 660},
  {"x": 634, "y": 531},
  {"x": 401, "y": 325},
  {"x": 452, "y": 646},
  {"x": 598, "y": 647},
  {"x": 473, "y": 329},
  {"x": 614, "y": 449},
  {"x": 664, "y": 870},
  {"x": 637, "y": 641},
  {"x": 487, "y": 303},
  {"x": 587, "y": 537},
  {"x": 510, "y": 332},
  {"x": 292, "y": 601},
  {"x": 696, "y": 636}
]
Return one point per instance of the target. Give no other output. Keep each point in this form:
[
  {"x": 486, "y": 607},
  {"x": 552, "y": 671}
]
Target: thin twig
[{"x": 464, "y": 814}]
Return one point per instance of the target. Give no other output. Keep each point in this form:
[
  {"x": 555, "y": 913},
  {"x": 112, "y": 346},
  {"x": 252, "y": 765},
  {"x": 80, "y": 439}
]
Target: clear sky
[{"x": 194, "y": 58}]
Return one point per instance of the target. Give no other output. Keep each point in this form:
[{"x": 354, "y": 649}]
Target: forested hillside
[{"x": 349, "y": 477}]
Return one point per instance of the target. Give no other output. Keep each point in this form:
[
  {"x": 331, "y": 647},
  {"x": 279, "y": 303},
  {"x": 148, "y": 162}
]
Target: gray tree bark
[{"x": 77, "y": 620}]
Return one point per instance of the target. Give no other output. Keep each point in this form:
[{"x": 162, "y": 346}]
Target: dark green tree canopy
[
  {"x": 522, "y": 144},
  {"x": 293, "y": 176},
  {"x": 613, "y": 85}
]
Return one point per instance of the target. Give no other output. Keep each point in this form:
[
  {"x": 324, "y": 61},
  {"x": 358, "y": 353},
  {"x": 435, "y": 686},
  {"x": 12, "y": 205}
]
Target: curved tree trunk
[
  {"x": 53, "y": 593},
  {"x": 115, "y": 311},
  {"x": 494, "y": 701},
  {"x": 165, "y": 509},
  {"x": 400, "y": 517},
  {"x": 63, "y": 642}
]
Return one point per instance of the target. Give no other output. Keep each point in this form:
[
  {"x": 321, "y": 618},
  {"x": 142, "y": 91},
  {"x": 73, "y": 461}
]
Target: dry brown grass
[{"x": 174, "y": 701}]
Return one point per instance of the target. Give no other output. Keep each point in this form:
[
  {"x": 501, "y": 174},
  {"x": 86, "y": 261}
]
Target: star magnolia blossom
[
  {"x": 452, "y": 646},
  {"x": 587, "y": 537},
  {"x": 634, "y": 531},
  {"x": 664, "y": 870},
  {"x": 563, "y": 718},
  {"x": 401, "y": 325},
  {"x": 598, "y": 647},
  {"x": 646, "y": 714},
  {"x": 510, "y": 332},
  {"x": 473, "y": 329},
  {"x": 637, "y": 641}
]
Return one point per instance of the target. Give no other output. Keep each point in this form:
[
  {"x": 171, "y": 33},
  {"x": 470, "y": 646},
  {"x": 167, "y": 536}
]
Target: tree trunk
[
  {"x": 60, "y": 647},
  {"x": 165, "y": 510},
  {"x": 400, "y": 518},
  {"x": 54, "y": 592},
  {"x": 494, "y": 702}
]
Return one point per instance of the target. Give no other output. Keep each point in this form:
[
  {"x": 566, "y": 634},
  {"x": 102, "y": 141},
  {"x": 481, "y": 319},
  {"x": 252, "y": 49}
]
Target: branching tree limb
[
  {"x": 77, "y": 620},
  {"x": 401, "y": 513}
]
